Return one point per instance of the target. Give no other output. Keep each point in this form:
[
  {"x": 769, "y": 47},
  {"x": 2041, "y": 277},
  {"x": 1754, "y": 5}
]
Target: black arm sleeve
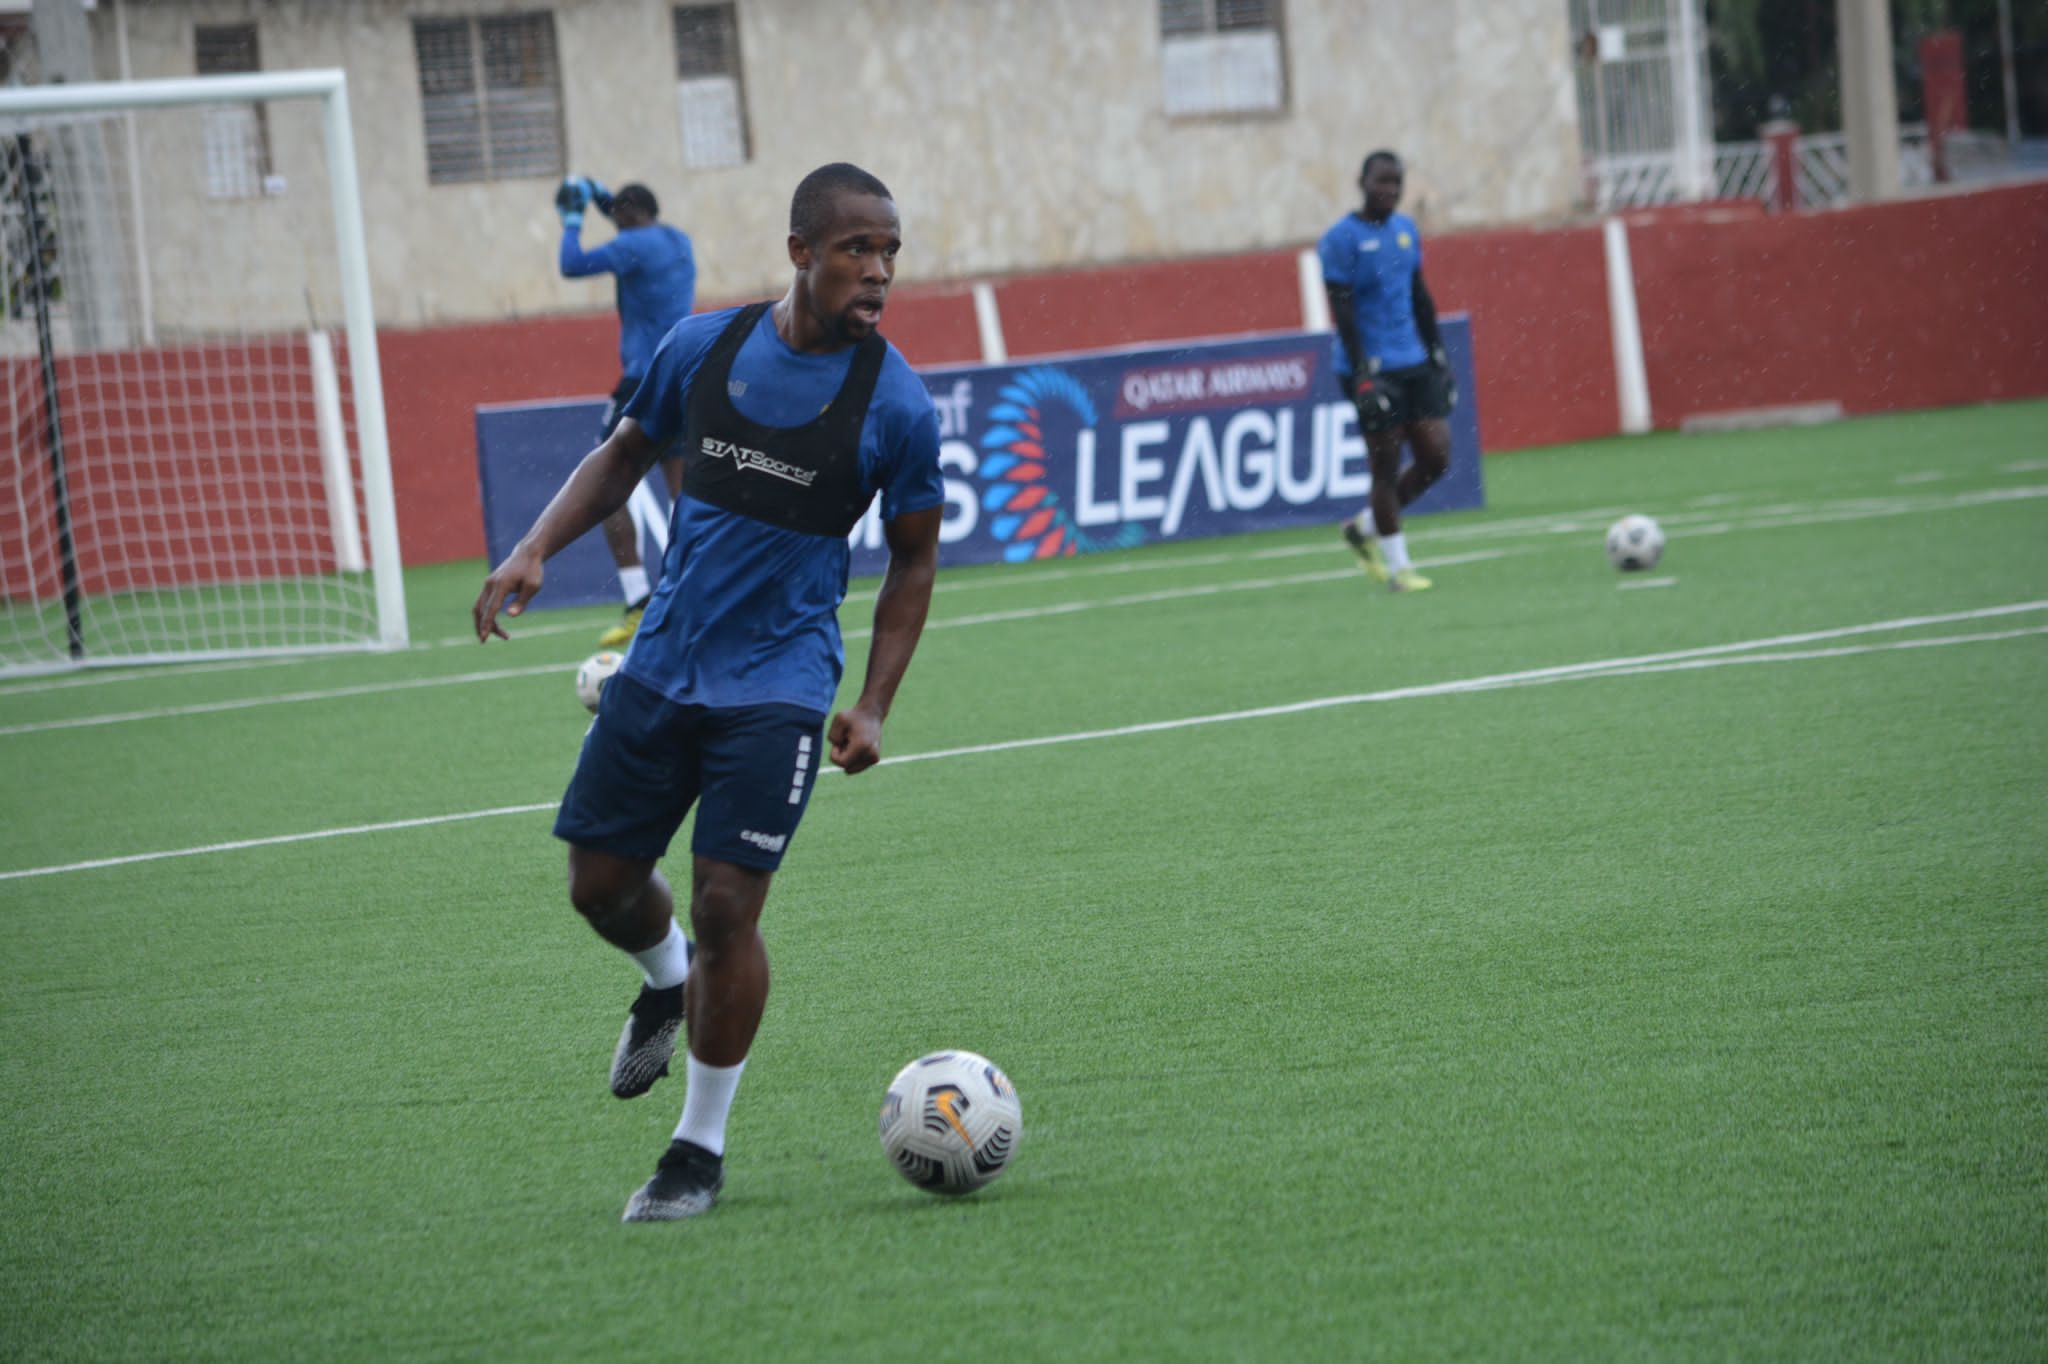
[
  {"x": 1425, "y": 315},
  {"x": 1346, "y": 322}
]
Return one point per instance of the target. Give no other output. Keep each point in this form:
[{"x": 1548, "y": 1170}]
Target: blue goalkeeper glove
[{"x": 570, "y": 198}]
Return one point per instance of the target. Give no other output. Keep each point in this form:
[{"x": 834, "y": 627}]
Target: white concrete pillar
[{"x": 1870, "y": 106}]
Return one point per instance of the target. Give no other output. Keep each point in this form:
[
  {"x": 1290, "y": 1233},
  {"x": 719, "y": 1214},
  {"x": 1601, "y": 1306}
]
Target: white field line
[
  {"x": 241, "y": 843},
  {"x": 1708, "y": 656},
  {"x": 1719, "y": 521},
  {"x": 1742, "y": 652},
  {"x": 537, "y": 670},
  {"x": 1587, "y": 521},
  {"x": 283, "y": 699}
]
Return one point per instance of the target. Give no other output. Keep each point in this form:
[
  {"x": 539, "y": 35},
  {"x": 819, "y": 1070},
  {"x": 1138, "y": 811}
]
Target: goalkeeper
[
  {"x": 657, "y": 287},
  {"x": 1390, "y": 362}
]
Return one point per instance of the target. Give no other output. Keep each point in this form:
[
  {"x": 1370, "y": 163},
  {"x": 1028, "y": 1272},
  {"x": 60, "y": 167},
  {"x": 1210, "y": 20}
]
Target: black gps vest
[{"x": 802, "y": 478}]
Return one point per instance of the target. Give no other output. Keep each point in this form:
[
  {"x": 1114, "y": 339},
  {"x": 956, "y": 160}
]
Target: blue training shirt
[
  {"x": 657, "y": 284},
  {"x": 747, "y": 613},
  {"x": 1378, "y": 261}
]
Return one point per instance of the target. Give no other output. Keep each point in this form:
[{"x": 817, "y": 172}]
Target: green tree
[{"x": 1772, "y": 53}]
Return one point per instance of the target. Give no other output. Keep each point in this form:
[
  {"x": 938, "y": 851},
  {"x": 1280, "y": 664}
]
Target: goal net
[{"x": 195, "y": 462}]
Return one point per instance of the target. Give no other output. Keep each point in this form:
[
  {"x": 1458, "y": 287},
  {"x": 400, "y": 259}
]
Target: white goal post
[{"x": 188, "y": 469}]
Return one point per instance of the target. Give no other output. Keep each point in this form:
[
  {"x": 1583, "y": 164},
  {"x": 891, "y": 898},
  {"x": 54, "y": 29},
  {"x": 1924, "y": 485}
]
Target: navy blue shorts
[{"x": 647, "y": 760}]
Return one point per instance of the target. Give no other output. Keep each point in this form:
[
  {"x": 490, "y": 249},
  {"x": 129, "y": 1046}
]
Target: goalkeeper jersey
[
  {"x": 657, "y": 284},
  {"x": 747, "y": 611},
  {"x": 1377, "y": 261}
]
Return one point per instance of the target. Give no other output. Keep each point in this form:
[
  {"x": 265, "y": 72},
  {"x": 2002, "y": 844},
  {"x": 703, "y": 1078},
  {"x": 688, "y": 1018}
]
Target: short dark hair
[
  {"x": 1373, "y": 158},
  {"x": 637, "y": 195},
  {"x": 810, "y": 209}
]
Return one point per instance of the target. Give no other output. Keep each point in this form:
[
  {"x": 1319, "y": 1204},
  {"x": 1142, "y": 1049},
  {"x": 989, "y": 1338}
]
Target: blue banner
[{"x": 1061, "y": 457}]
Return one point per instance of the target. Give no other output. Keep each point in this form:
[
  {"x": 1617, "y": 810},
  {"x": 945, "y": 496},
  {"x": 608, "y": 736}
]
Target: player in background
[
  {"x": 1391, "y": 363},
  {"x": 788, "y": 420},
  {"x": 657, "y": 286}
]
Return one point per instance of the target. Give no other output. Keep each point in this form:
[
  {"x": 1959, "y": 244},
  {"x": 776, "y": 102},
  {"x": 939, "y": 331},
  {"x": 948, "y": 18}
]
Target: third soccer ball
[
  {"x": 1635, "y": 542},
  {"x": 591, "y": 677},
  {"x": 950, "y": 1122}
]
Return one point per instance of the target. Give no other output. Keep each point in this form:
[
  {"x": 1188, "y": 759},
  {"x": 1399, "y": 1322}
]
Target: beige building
[{"x": 1017, "y": 135}]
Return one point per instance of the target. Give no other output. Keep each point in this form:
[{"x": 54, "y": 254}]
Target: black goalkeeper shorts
[
  {"x": 1397, "y": 397},
  {"x": 616, "y": 408}
]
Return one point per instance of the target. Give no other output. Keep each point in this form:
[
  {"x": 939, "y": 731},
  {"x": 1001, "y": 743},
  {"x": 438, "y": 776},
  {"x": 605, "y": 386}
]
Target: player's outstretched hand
[
  {"x": 510, "y": 587},
  {"x": 856, "y": 739}
]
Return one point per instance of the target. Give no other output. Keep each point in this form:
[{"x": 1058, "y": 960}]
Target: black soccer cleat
[
  {"x": 685, "y": 1184},
  {"x": 648, "y": 1042}
]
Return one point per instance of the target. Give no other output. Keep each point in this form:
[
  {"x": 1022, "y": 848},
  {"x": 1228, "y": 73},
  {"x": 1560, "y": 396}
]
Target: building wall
[{"x": 1017, "y": 136}]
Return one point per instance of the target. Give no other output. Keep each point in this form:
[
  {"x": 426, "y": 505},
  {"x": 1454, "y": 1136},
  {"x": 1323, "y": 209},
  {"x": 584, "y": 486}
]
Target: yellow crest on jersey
[{"x": 1405, "y": 241}]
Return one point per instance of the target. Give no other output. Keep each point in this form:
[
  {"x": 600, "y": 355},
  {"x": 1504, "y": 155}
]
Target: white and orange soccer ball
[
  {"x": 591, "y": 677},
  {"x": 950, "y": 1122}
]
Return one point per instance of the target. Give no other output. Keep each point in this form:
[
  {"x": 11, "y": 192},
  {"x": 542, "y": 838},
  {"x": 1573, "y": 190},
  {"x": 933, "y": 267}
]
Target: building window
[
  {"x": 491, "y": 97},
  {"x": 1222, "y": 57},
  {"x": 709, "y": 94},
  {"x": 236, "y": 136}
]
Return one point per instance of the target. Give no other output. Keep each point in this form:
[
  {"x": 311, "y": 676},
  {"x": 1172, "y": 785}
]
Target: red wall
[
  {"x": 1922, "y": 303},
  {"x": 1541, "y": 347},
  {"x": 1164, "y": 301}
]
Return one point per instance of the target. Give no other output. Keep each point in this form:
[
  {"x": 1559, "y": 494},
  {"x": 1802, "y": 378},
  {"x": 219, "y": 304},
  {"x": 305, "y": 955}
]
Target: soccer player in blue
[
  {"x": 1391, "y": 363},
  {"x": 657, "y": 286},
  {"x": 789, "y": 418}
]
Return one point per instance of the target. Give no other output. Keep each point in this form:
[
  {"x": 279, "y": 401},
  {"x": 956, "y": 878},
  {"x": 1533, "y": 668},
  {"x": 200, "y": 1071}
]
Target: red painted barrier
[
  {"x": 1132, "y": 305},
  {"x": 1920, "y": 303},
  {"x": 1540, "y": 340}
]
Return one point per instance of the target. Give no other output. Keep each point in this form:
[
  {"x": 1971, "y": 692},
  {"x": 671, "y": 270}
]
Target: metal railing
[{"x": 1742, "y": 170}]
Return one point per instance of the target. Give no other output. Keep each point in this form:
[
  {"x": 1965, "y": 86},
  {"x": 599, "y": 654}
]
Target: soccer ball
[
  {"x": 1635, "y": 542},
  {"x": 950, "y": 1122},
  {"x": 591, "y": 677}
]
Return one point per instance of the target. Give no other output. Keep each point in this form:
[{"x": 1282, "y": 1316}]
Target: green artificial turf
[{"x": 1687, "y": 1009}]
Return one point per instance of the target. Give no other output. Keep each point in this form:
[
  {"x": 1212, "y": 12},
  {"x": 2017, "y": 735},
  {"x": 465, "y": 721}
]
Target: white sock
[
  {"x": 1363, "y": 521},
  {"x": 1396, "y": 546},
  {"x": 667, "y": 962},
  {"x": 633, "y": 583},
  {"x": 707, "y": 1103}
]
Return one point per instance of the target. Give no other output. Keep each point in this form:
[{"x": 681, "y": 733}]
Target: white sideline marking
[
  {"x": 1708, "y": 656},
  {"x": 1637, "y": 584},
  {"x": 537, "y": 670},
  {"x": 1568, "y": 672},
  {"x": 278, "y": 839},
  {"x": 286, "y": 699},
  {"x": 1586, "y": 521}
]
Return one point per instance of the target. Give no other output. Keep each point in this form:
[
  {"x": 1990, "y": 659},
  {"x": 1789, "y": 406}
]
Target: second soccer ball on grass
[
  {"x": 591, "y": 677},
  {"x": 1635, "y": 542},
  {"x": 950, "y": 1122}
]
